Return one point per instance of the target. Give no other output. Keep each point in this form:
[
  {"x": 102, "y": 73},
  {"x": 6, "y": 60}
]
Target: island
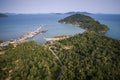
[
  {"x": 3, "y": 15},
  {"x": 85, "y": 13},
  {"x": 85, "y": 22}
]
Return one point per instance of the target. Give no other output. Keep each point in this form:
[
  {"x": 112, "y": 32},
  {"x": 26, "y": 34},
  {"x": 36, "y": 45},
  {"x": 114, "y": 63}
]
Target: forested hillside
[
  {"x": 85, "y": 22},
  {"x": 87, "y": 56},
  {"x": 28, "y": 61}
]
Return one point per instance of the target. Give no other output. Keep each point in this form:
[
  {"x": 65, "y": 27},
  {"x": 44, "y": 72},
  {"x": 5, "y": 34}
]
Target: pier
[{"x": 23, "y": 37}]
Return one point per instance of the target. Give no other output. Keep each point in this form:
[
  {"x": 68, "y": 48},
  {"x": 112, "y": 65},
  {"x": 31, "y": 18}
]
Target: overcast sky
[{"x": 60, "y": 6}]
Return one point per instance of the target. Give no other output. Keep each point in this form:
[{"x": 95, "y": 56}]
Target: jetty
[{"x": 22, "y": 38}]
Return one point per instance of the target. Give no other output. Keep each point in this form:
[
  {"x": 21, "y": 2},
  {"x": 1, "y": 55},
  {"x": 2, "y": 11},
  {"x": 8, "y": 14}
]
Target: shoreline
[
  {"x": 22, "y": 38},
  {"x": 86, "y": 29},
  {"x": 57, "y": 38}
]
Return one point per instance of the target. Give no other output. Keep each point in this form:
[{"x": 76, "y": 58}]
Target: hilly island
[
  {"x": 86, "y": 56},
  {"x": 85, "y": 22},
  {"x": 3, "y": 15}
]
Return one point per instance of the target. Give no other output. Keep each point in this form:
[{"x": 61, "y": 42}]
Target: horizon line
[{"x": 58, "y": 12}]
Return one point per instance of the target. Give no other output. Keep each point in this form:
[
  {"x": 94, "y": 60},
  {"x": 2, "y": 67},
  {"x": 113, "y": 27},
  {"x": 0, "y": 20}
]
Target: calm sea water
[
  {"x": 16, "y": 25},
  {"x": 112, "y": 21}
]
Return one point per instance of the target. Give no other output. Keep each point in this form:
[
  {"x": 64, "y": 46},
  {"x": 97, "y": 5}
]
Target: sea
[{"x": 16, "y": 25}]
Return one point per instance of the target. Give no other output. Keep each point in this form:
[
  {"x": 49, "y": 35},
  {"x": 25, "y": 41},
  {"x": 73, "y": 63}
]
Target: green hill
[
  {"x": 85, "y": 22},
  {"x": 28, "y": 61},
  {"x": 87, "y": 56}
]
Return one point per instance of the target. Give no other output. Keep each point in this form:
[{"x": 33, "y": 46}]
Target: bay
[{"x": 16, "y": 25}]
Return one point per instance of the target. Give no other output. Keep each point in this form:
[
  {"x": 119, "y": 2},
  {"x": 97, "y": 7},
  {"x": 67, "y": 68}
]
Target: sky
[{"x": 60, "y": 6}]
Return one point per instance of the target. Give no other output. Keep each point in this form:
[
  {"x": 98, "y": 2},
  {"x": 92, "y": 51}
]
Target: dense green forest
[
  {"x": 87, "y": 56},
  {"x": 28, "y": 61},
  {"x": 85, "y": 22},
  {"x": 3, "y": 15}
]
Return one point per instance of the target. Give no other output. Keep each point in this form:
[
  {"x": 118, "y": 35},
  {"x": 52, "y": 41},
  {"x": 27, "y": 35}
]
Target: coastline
[
  {"x": 86, "y": 29},
  {"x": 22, "y": 38},
  {"x": 57, "y": 38},
  {"x": 85, "y": 22}
]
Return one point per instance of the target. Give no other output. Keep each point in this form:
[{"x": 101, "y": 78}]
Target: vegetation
[
  {"x": 87, "y": 56},
  {"x": 1, "y": 42},
  {"x": 3, "y": 15},
  {"x": 91, "y": 56},
  {"x": 85, "y": 22},
  {"x": 28, "y": 61}
]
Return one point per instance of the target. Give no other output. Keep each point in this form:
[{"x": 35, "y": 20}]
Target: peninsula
[{"x": 85, "y": 22}]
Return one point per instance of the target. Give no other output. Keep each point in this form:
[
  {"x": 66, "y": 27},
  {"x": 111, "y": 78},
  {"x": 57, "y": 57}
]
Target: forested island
[
  {"x": 87, "y": 56},
  {"x": 85, "y": 22},
  {"x": 3, "y": 15}
]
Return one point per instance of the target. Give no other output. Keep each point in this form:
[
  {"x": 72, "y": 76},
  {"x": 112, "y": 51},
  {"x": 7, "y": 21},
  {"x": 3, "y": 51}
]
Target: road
[{"x": 55, "y": 56}]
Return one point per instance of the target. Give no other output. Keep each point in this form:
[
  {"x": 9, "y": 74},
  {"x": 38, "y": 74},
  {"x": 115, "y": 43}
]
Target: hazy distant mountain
[
  {"x": 71, "y": 13},
  {"x": 10, "y": 14},
  {"x": 85, "y": 13}
]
